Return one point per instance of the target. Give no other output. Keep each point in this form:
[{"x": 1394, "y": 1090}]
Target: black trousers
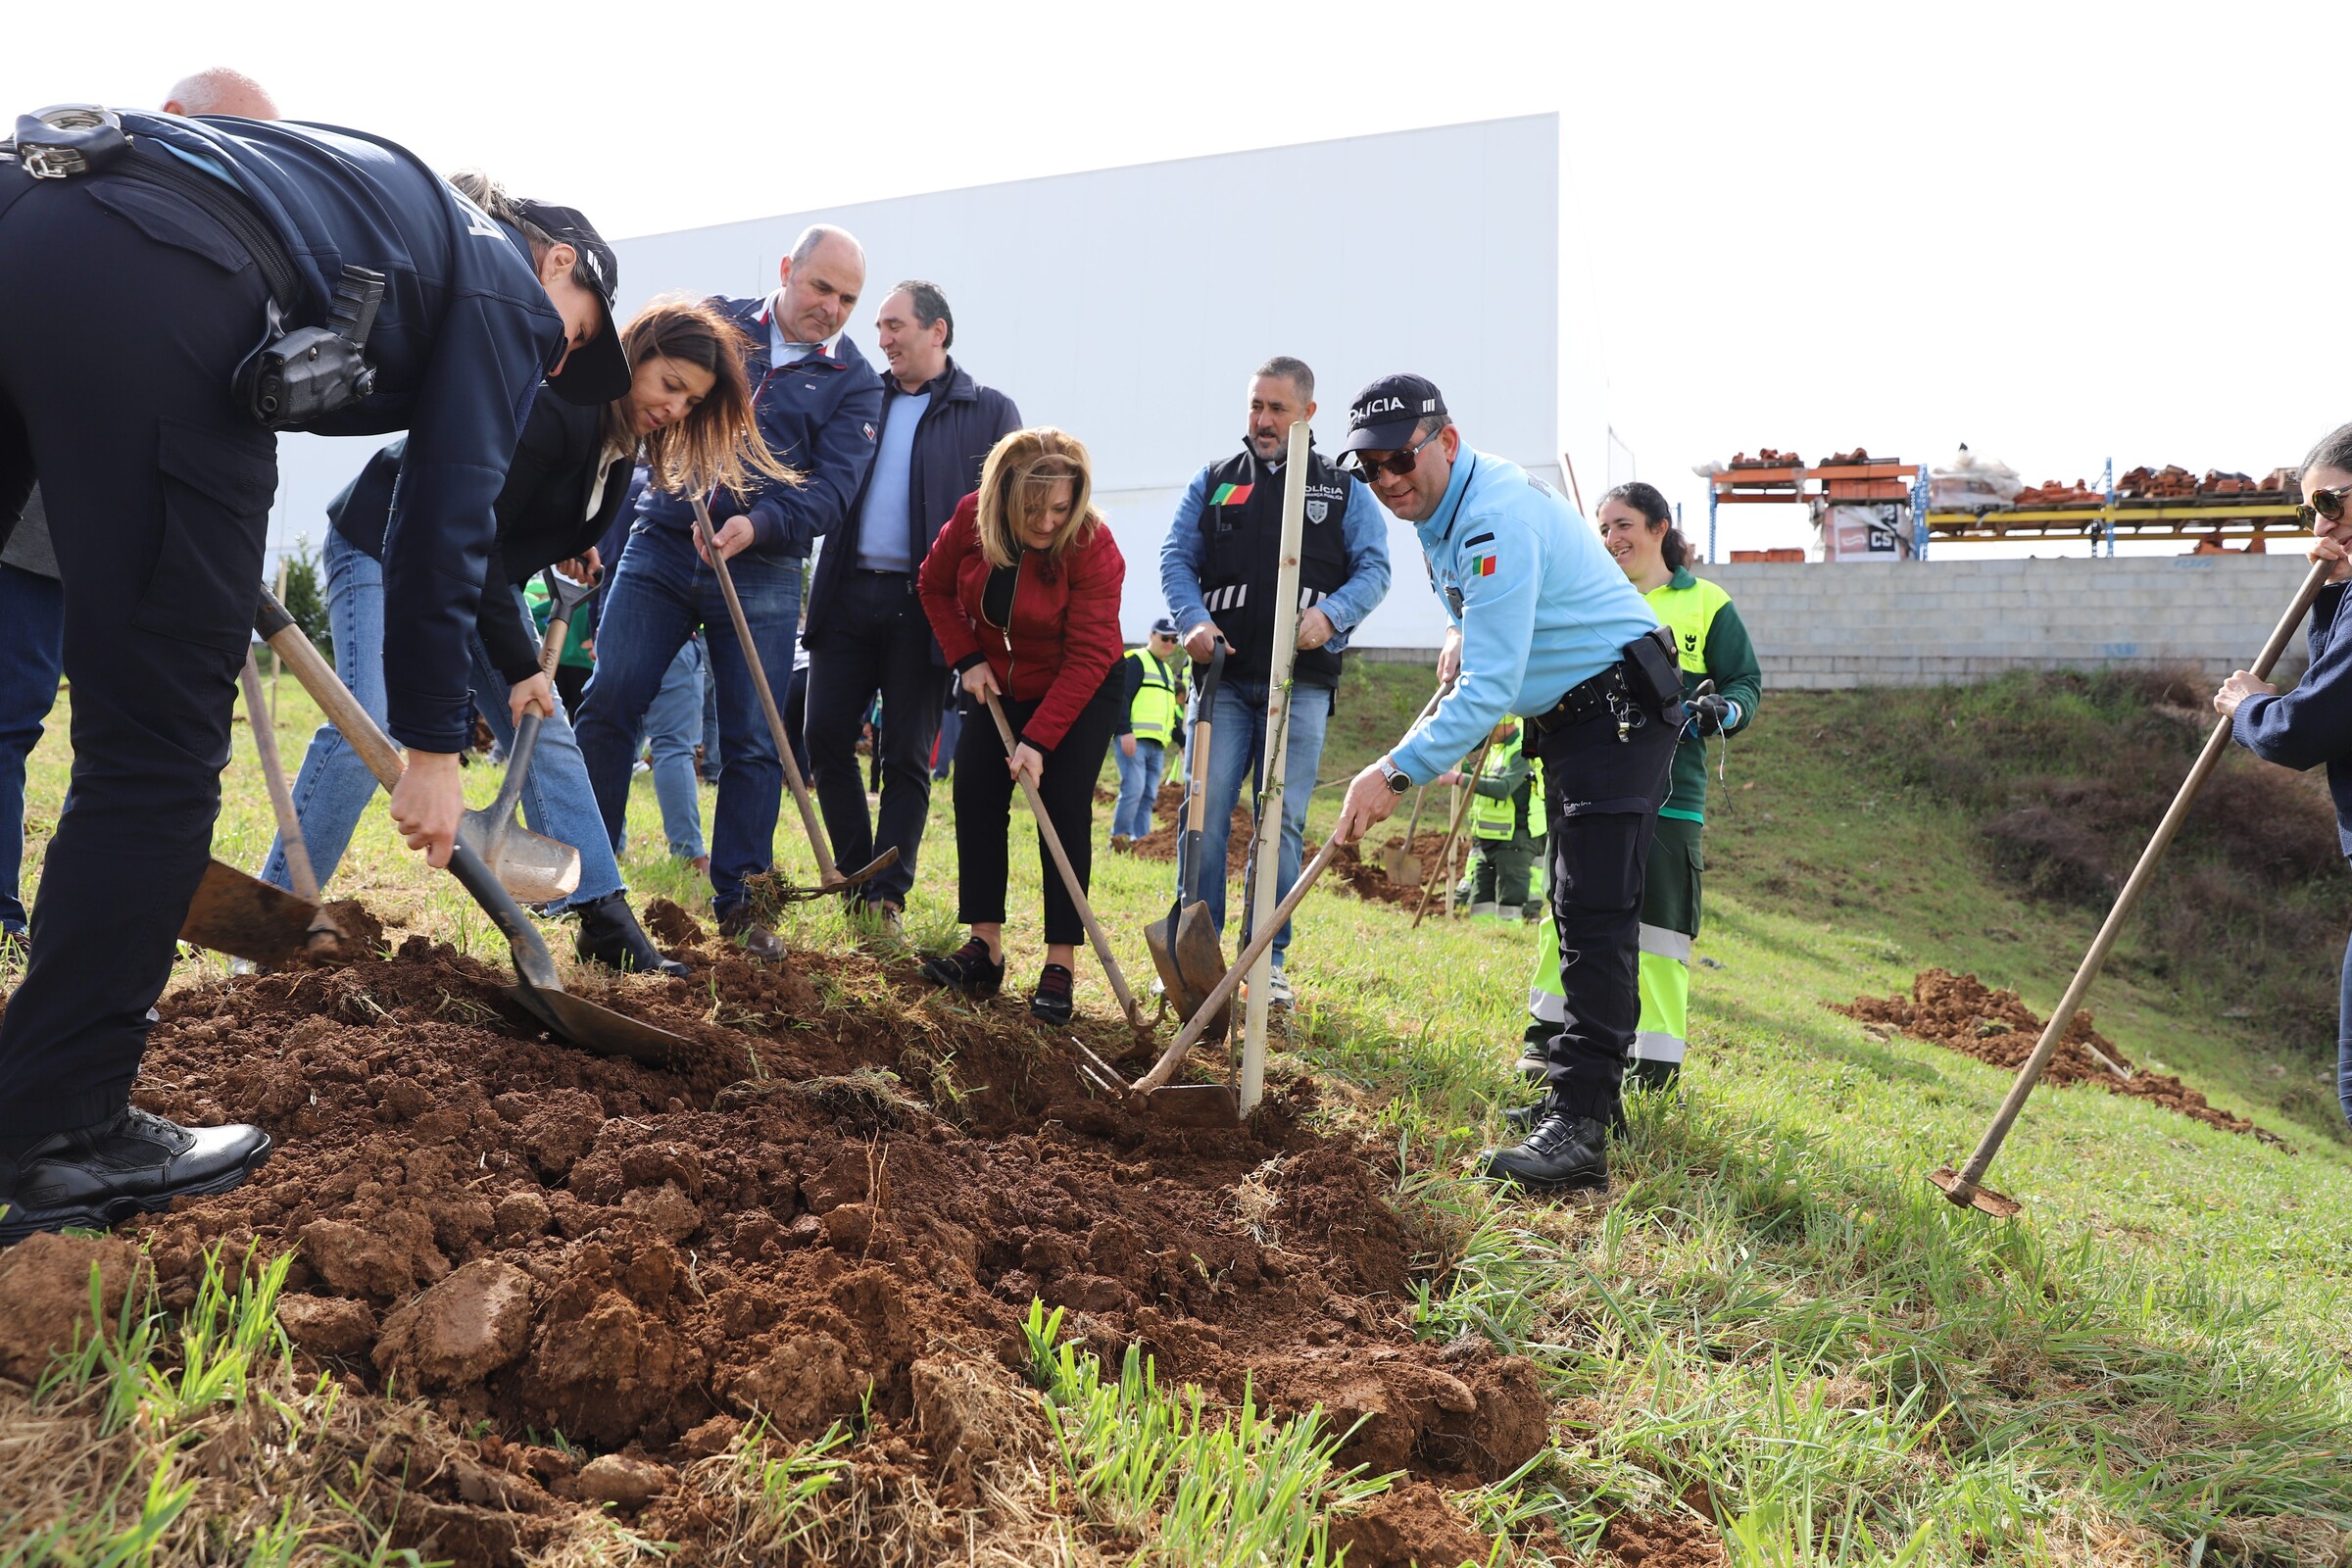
[
  {"x": 879, "y": 641},
  {"x": 984, "y": 795},
  {"x": 1602, "y": 799},
  {"x": 117, "y": 339}
]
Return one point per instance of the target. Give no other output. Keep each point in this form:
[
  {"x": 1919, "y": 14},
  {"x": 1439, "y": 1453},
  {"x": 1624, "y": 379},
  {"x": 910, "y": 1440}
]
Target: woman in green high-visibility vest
[{"x": 1638, "y": 526}]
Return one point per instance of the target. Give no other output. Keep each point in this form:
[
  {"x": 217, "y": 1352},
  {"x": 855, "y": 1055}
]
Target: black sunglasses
[
  {"x": 2329, "y": 504},
  {"x": 1396, "y": 463}
]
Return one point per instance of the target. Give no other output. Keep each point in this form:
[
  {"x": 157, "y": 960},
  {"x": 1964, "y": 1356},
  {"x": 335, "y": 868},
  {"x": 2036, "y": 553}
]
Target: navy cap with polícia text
[
  {"x": 598, "y": 370},
  {"x": 1384, "y": 414}
]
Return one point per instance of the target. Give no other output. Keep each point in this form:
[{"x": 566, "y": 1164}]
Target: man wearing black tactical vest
[{"x": 1218, "y": 569}]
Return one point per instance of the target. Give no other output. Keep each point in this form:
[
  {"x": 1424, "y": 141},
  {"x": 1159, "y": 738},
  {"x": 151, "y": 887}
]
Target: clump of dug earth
[
  {"x": 1962, "y": 1012},
  {"x": 819, "y": 1213}
]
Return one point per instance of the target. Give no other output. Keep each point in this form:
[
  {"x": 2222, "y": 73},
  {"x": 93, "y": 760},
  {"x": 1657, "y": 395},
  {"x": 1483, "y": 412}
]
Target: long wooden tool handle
[
  {"x": 343, "y": 710},
  {"x": 1414, "y": 826},
  {"x": 1963, "y": 1191},
  {"x": 273, "y": 773},
  {"x": 826, "y": 870},
  {"x": 1069, "y": 876},
  {"x": 1478, "y": 765},
  {"x": 318, "y": 677},
  {"x": 1260, "y": 939}
]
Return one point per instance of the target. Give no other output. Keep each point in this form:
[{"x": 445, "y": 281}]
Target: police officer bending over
[
  {"x": 242, "y": 267},
  {"x": 1545, "y": 627}
]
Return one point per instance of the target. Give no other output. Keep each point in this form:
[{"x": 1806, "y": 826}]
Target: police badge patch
[{"x": 1317, "y": 510}]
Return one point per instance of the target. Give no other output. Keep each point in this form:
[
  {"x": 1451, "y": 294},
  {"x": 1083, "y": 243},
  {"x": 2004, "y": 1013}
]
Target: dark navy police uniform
[{"x": 129, "y": 310}]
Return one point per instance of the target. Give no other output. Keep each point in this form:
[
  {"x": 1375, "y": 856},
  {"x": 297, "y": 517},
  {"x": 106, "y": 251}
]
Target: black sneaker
[
  {"x": 1050, "y": 1000},
  {"x": 91, "y": 1177},
  {"x": 1534, "y": 1064},
  {"x": 967, "y": 969},
  {"x": 610, "y": 935},
  {"x": 1563, "y": 1152}
]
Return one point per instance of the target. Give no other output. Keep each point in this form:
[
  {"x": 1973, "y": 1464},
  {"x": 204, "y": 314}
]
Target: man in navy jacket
[
  {"x": 819, "y": 409},
  {"x": 866, "y": 630},
  {"x": 157, "y": 480}
]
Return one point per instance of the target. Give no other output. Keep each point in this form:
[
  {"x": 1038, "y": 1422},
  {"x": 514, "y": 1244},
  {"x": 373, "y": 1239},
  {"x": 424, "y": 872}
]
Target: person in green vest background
[
  {"x": 1507, "y": 838},
  {"x": 1638, "y": 526},
  {"x": 1150, "y": 721}
]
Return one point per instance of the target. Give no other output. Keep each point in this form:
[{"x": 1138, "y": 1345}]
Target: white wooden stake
[{"x": 1264, "y": 891}]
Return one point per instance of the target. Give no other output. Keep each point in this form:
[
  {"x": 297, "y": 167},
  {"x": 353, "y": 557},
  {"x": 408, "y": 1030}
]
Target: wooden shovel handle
[
  {"x": 1069, "y": 875},
  {"x": 318, "y": 677},
  {"x": 827, "y": 872},
  {"x": 1963, "y": 1189},
  {"x": 273, "y": 773}
]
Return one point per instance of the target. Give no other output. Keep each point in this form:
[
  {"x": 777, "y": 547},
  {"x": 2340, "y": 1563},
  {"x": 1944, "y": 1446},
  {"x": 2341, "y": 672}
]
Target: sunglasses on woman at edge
[{"x": 2329, "y": 504}]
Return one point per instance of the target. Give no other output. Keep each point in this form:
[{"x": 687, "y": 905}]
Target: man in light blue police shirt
[{"x": 1545, "y": 628}]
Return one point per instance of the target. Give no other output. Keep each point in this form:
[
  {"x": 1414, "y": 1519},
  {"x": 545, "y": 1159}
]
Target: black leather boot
[
  {"x": 91, "y": 1177},
  {"x": 1563, "y": 1152},
  {"x": 610, "y": 935},
  {"x": 968, "y": 969}
]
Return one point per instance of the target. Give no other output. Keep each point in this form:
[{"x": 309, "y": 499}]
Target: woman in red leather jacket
[{"x": 1023, "y": 592}]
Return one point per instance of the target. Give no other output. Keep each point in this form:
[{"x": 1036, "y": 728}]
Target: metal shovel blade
[
  {"x": 248, "y": 919},
  {"x": 583, "y": 1023},
  {"x": 1983, "y": 1199},
  {"x": 532, "y": 867},
  {"x": 1160, "y": 937},
  {"x": 1404, "y": 870},
  {"x": 796, "y": 893},
  {"x": 1200, "y": 961}
]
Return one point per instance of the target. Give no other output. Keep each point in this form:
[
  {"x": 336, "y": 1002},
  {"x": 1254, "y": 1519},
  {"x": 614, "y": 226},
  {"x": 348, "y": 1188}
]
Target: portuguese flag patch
[
  {"x": 1482, "y": 566},
  {"x": 1231, "y": 495}
]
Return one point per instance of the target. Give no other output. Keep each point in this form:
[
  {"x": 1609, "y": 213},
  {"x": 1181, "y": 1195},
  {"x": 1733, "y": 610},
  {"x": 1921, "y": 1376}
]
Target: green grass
[{"x": 1773, "y": 1319}]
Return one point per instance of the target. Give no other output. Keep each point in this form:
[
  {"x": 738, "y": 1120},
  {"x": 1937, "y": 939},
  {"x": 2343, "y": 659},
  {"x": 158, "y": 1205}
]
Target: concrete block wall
[{"x": 1942, "y": 621}]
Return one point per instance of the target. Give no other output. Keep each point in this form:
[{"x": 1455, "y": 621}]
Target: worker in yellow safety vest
[
  {"x": 1722, "y": 683},
  {"x": 1150, "y": 723},
  {"x": 1507, "y": 829}
]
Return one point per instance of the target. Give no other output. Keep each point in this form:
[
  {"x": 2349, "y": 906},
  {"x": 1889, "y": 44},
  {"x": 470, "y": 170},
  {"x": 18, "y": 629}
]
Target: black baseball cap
[
  {"x": 598, "y": 371},
  {"x": 1382, "y": 415}
]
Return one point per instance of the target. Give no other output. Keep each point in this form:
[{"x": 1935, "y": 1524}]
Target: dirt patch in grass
[
  {"x": 1359, "y": 870},
  {"x": 1962, "y": 1012},
  {"x": 1663, "y": 1541},
  {"x": 818, "y": 1201}
]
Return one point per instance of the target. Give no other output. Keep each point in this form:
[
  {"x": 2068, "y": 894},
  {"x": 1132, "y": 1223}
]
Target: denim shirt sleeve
[
  {"x": 1365, "y": 529},
  {"x": 1181, "y": 554}
]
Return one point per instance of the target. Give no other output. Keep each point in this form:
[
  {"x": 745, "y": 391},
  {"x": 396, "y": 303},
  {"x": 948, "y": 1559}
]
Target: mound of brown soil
[
  {"x": 1359, "y": 870},
  {"x": 815, "y": 1208},
  {"x": 1663, "y": 1541},
  {"x": 1960, "y": 1012}
]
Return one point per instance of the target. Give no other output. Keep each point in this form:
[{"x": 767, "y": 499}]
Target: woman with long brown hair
[
  {"x": 1022, "y": 590},
  {"x": 687, "y": 417}
]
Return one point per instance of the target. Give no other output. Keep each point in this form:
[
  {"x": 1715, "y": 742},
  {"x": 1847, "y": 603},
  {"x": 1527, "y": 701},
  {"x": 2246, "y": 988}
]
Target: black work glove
[{"x": 1708, "y": 714}]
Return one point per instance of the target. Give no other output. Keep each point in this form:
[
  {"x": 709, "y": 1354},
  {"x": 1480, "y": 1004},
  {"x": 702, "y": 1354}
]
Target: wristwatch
[{"x": 1398, "y": 782}]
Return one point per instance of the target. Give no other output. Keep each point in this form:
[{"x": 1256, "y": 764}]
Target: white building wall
[{"x": 1130, "y": 304}]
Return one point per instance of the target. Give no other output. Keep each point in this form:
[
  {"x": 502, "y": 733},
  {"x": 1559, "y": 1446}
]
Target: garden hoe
[
  {"x": 1965, "y": 1187},
  {"x": 1069, "y": 879},
  {"x": 828, "y": 875},
  {"x": 1184, "y": 944},
  {"x": 538, "y": 989},
  {"x": 1398, "y": 859},
  {"x": 242, "y": 915},
  {"x": 535, "y": 867}
]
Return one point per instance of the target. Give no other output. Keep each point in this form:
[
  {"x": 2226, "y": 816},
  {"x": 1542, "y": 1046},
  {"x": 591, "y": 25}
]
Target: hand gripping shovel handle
[
  {"x": 1461, "y": 809},
  {"x": 827, "y": 872},
  {"x": 376, "y": 749},
  {"x": 1963, "y": 1188},
  {"x": 1069, "y": 876}
]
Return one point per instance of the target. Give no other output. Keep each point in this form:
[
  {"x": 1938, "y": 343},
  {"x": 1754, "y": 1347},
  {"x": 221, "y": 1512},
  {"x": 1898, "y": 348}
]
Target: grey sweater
[{"x": 28, "y": 548}]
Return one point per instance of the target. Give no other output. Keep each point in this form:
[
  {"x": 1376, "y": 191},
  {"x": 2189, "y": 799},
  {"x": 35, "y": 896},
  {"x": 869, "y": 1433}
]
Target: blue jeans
[
  {"x": 660, "y": 593},
  {"x": 332, "y": 791},
  {"x": 673, "y": 724},
  {"x": 1236, "y": 740},
  {"x": 1138, "y": 787},
  {"x": 32, "y": 650}
]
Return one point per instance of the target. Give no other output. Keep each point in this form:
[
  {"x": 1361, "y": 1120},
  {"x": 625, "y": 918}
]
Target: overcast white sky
[{"x": 2055, "y": 231}]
